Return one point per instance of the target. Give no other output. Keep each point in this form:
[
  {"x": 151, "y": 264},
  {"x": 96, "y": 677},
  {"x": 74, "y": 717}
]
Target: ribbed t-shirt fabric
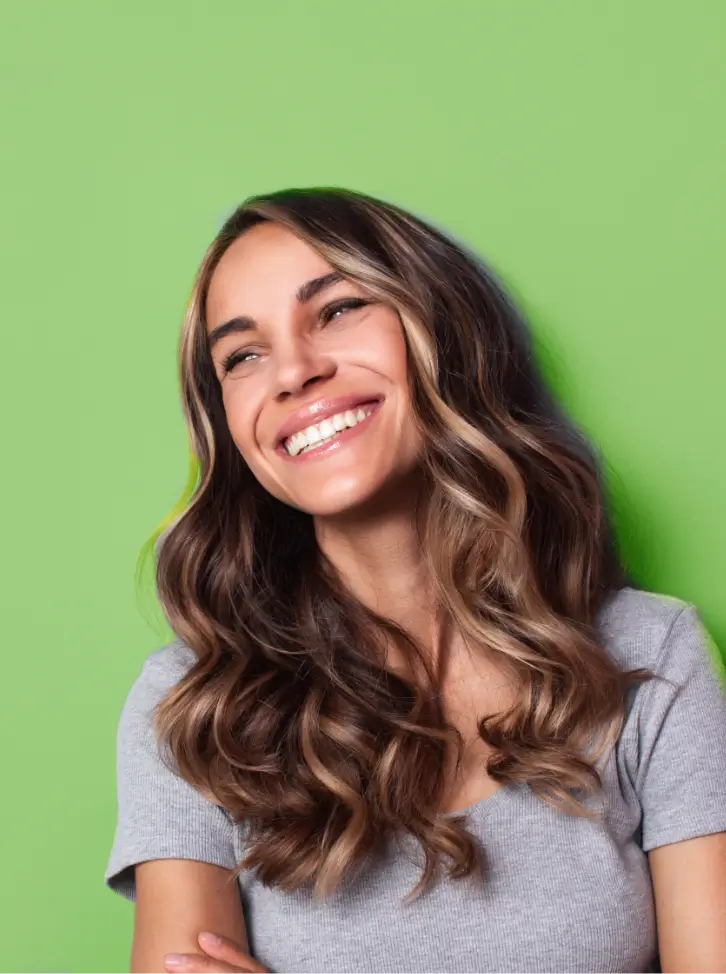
[{"x": 560, "y": 893}]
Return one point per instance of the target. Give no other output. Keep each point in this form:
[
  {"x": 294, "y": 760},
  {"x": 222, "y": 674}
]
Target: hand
[{"x": 219, "y": 956}]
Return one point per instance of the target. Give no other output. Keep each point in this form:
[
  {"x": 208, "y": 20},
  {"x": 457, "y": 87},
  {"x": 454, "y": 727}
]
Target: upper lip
[{"x": 314, "y": 412}]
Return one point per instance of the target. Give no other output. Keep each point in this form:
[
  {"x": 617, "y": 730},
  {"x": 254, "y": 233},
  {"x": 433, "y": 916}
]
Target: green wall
[{"x": 579, "y": 145}]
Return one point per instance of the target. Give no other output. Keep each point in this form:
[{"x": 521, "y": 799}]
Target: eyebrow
[{"x": 241, "y": 323}]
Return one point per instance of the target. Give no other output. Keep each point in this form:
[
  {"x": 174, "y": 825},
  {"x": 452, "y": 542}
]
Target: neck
[{"x": 377, "y": 555}]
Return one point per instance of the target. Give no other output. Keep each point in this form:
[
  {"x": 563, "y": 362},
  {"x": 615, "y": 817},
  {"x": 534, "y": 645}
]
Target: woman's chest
[
  {"x": 473, "y": 691},
  {"x": 559, "y": 894}
]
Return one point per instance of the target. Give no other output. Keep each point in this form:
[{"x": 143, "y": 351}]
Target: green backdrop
[{"x": 579, "y": 145}]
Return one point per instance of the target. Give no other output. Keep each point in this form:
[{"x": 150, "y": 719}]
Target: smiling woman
[
  {"x": 408, "y": 656},
  {"x": 297, "y": 349}
]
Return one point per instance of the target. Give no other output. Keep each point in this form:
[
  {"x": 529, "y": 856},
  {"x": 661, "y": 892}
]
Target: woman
[{"x": 417, "y": 716}]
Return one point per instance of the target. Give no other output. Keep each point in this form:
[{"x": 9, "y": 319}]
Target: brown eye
[{"x": 331, "y": 310}]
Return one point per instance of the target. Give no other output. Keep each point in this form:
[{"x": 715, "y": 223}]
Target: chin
[
  {"x": 337, "y": 500},
  {"x": 334, "y": 507}
]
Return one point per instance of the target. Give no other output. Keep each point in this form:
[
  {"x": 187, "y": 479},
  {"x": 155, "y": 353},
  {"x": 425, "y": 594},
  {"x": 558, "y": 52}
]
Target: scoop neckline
[{"x": 485, "y": 805}]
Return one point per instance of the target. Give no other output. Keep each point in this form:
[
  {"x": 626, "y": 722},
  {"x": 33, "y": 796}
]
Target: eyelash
[
  {"x": 346, "y": 304},
  {"x": 326, "y": 314}
]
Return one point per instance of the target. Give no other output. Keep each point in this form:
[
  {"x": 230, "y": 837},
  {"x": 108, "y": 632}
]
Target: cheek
[
  {"x": 392, "y": 356},
  {"x": 382, "y": 349},
  {"x": 241, "y": 419},
  {"x": 391, "y": 343}
]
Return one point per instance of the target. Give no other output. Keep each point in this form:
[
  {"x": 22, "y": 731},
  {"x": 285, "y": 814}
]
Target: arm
[
  {"x": 689, "y": 883},
  {"x": 174, "y": 851},
  {"x": 681, "y": 781},
  {"x": 176, "y": 899}
]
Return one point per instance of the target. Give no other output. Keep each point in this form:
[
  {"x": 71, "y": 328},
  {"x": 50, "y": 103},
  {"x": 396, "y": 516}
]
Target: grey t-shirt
[{"x": 561, "y": 893}]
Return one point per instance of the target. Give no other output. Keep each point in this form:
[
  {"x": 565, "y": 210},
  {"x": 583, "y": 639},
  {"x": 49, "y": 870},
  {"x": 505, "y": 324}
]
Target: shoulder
[
  {"x": 666, "y": 635},
  {"x": 160, "y": 814},
  {"x": 638, "y": 625},
  {"x": 160, "y": 672},
  {"x": 169, "y": 663},
  {"x": 672, "y": 748}
]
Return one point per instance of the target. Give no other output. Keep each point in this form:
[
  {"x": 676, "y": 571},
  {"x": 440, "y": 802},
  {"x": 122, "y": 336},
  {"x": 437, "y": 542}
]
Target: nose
[{"x": 299, "y": 364}]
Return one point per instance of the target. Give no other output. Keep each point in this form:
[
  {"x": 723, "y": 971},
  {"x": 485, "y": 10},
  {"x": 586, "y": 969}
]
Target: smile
[{"x": 329, "y": 433}]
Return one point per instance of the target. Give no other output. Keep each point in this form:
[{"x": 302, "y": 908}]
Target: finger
[
  {"x": 227, "y": 950},
  {"x": 197, "y": 964}
]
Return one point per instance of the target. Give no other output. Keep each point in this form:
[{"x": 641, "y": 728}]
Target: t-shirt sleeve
[
  {"x": 160, "y": 816},
  {"x": 681, "y": 781}
]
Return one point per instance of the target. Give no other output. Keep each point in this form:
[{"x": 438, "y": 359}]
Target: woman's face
[{"x": 313, "y": 375}]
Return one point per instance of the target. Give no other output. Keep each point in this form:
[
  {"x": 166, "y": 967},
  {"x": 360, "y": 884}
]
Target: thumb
[{"x": 224, "y": 949}]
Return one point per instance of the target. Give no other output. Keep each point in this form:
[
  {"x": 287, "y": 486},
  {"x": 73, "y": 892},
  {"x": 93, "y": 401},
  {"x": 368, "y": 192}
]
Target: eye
[
  {"x": 236, "y": 357},
  {"x": 334, "y": 308}
]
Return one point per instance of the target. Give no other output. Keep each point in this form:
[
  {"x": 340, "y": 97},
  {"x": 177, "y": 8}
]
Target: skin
[{"x": 360, "y": 498}]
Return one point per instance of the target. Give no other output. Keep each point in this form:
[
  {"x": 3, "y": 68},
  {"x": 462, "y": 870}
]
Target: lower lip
[{"x": 332, "y": 446}]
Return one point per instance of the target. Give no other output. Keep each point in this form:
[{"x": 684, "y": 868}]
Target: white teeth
[{"x": 325, "y": 430}]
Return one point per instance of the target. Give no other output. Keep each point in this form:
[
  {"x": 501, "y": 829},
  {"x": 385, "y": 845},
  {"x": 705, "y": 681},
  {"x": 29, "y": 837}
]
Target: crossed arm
[{"x": 177, "y": 899}]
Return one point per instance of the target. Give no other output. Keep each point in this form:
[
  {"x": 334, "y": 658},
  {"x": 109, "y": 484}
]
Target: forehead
[{"x": 261, "y": 269}]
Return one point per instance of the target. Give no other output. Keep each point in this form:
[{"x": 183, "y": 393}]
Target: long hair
[{"x": 288, "y": 718}]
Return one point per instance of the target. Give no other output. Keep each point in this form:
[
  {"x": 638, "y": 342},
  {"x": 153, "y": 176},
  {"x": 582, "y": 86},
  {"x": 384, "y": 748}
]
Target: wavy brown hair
[{"x": 288, "y": 718}]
